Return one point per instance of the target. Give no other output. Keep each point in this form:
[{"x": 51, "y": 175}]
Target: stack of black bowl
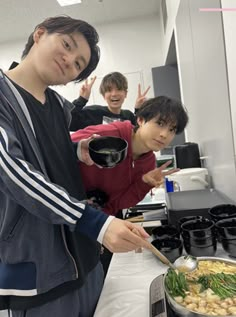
[
  {"x": 199, "y": 237},
  {"x": 166, "y": 231},
  {"x": 187, "y": 218},
  {"x": 226, "y": 230},
  {"x": 167, "y": 241},
  {"x": 220, "y": 212}
]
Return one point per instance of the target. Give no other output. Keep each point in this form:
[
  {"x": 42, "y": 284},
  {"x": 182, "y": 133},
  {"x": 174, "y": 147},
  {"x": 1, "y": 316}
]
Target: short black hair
[
  {"x": 66, "y": 25},
  {"x": 113, "y": 79},
  {"x": 169, "y": 110}
]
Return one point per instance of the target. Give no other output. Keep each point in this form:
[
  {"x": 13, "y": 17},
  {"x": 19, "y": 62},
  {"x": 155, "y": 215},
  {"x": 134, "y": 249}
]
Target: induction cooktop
[{"x": 159, "y": 306}]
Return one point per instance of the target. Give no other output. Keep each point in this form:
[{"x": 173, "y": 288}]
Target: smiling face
[
  {"x": 154, "y": 135},
  {"x": 59, "y": 58},
  {"x": 115, "y": 98}
]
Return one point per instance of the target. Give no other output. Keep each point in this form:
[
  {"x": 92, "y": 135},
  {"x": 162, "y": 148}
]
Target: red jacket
[{"x": 123, "y": 183}]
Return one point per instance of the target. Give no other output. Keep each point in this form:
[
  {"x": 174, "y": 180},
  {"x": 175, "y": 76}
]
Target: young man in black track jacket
[{"x": 49, "y": 237}]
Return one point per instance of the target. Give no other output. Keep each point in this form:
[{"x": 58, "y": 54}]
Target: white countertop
[{"x": 126, "y": 288}]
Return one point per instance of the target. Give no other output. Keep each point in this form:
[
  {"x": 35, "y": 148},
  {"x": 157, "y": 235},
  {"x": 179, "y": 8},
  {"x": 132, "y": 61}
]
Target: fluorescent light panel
[{"x": 68, "y": 2}]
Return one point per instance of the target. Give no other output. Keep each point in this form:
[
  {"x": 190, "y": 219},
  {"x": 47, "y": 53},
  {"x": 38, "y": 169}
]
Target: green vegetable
[
  {"x": 176, "y": 283},
  {"x": 223, "y": 285}
]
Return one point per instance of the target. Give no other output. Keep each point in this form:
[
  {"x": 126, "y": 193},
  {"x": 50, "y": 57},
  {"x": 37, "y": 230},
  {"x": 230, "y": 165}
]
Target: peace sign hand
[
  {"x": 155, "y": 178},
  {"x": 85, "y": 89},
  {"x": 141, "y": 97}
]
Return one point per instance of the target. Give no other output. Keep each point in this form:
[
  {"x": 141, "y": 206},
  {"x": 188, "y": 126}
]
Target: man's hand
[
  {"x": 155, "y": 178},
  {"x": 83, "y": 150},
  {"x": 85, "y": 90},
  {"x": 141, "y": 97},
  {"x": 124, "y": 236}
]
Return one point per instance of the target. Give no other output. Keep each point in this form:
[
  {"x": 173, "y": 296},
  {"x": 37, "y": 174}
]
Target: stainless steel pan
[{"x": 183, "y": 311}]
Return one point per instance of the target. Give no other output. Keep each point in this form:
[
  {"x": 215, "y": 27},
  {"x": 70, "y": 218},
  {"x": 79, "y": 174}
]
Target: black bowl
[
  {"x": 198, "y": 228},
  {"x": 229, "y": 245},
  {"x": 226, "y": 228},
  {"x": 172, "y": 248},
  {"x": 165, "y": 231},
  {"x": 108, "y": 151},
  {"x": 209, "y": 250},
  {"x": 200, "y": 242},
  {"x": 222, "y": 211},
  {"x": 187, "y": 218}
]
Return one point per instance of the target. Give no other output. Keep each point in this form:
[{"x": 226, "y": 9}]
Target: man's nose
[
  {"x": 114, "y": 91},
  {"x": 68, "y": 60},
  {"x": 164, "y": 132}
]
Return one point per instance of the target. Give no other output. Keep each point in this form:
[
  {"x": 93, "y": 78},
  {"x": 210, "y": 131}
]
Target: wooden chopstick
[{"x": 136, "y": 219}]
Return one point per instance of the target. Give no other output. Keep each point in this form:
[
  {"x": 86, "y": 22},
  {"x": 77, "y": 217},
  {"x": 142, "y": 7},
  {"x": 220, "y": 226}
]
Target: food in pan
[{"x": 209, "y": 290}]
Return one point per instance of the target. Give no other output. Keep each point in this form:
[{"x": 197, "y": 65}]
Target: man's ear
[
  {"x": 140, "y": 121},
  {"x": 38, "y": 33}
]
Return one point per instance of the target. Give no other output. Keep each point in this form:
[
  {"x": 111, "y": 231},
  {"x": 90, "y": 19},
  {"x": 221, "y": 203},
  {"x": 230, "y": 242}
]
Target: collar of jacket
[{"x": 17, "y": 104}]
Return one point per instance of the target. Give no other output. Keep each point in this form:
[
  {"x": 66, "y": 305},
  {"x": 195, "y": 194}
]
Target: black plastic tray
[{"x": 192, "y": 203}]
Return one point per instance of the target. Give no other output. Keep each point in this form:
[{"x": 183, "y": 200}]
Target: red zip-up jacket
[{"x": 123, "y": 183}]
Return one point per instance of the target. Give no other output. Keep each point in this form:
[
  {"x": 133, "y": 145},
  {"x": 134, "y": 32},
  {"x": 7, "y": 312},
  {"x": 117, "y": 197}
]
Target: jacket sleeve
[
  {"x": 80, "y": 103},
  {"x": 21, "y": 182},
  {"x": 100, "y": 129},
  {"x": 78, "y": 117}
]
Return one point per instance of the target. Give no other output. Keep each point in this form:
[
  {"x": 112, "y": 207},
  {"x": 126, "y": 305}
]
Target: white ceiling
[{"x": 19, "y": 17}]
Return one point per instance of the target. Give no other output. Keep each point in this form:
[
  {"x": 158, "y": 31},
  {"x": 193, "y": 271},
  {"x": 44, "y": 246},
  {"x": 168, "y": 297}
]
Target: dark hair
[
  {"x": 66, "y": 25},
  {"x": 169, "y": 110},
  {"x": 113, "y": 79}
]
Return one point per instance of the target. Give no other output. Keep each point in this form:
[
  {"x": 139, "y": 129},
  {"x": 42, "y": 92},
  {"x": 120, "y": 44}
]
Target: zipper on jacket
[
  {"x": 133, "y": 164},
  {"x": 68, "y": 251}
]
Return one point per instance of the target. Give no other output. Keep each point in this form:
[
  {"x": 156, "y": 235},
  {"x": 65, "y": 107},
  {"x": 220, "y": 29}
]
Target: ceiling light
[{"x": 68, "y": 2}]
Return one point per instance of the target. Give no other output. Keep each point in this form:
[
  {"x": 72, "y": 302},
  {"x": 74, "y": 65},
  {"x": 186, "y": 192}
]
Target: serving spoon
[{"x": 185, "y": 263}]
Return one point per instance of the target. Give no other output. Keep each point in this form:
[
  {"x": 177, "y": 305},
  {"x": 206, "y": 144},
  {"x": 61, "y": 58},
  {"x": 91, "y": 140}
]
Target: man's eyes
[
  {"x": 161, "y": 123},
  {"x": 68, "y": 47},
  {"x": 66, "y": 44},
  {"x": 77, "y": 64}
]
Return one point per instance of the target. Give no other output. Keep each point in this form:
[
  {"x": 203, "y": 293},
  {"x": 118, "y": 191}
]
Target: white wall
[
  {"x": 10, "y": 52},
  {"x": 229, "y": 23},
  {"x": 131, "y": 47},
  {"x": 204, "y": 89}
]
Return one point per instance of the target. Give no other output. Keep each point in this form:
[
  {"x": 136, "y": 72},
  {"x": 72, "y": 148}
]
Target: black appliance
[
  {"x": 192, "y": 203},
  {"x": 187, "y": 155}
]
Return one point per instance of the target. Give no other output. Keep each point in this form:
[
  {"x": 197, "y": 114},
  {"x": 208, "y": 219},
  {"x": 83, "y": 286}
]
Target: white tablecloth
[{"x": 126, "y": 288}]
